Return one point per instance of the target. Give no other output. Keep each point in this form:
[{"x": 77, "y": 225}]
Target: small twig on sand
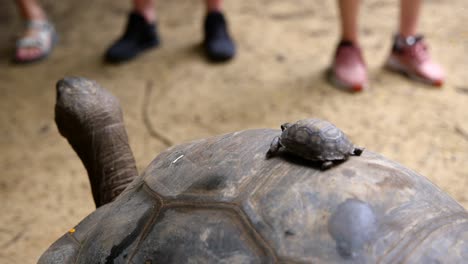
[
  {"x": 300, "y": 14},
  {"x": 146, "y": 120},
  {"x": 14, "y": 239},
  {"x": 460, "y": 131},
  {"x": 461, "y": 89}
]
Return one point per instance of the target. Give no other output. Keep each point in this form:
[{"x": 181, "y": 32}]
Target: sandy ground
[{"x": 284, "y": 48}]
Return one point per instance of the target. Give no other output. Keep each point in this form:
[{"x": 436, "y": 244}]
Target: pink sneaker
[
  {"x": 348, "y": 71},
  {"x": 410, "y": 56}
]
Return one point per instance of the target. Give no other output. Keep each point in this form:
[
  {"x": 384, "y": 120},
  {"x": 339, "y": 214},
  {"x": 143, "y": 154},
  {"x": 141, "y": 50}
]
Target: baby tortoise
[{"x": 316, "y": 140}]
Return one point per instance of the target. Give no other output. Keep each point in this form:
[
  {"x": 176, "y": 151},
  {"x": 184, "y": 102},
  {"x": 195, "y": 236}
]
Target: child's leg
[
  {"x": 145, "y": 8},
  {"x": 140, "y": 33},
  {"x": 348, "y": 70},
  {"x": 349, "y": 10},
  {"x": 36, "y": 41},
  {"x": 409, "y": 17},
  {"x": 213, "y": 5},
  {"x": 31, "y": 10},
  {"x": 217, "y": 42},
  {"x": 410, "y": 55}
]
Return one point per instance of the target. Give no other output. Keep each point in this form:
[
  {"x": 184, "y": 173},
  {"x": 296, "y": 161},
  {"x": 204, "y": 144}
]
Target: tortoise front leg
[
  {"x": 90, "y": 118},
  {"x": 285, "y": 126},
  {"x": 326, "y": 165},
  {"x": 274, "y": 147},
  {"x": 357, "y": 151}
]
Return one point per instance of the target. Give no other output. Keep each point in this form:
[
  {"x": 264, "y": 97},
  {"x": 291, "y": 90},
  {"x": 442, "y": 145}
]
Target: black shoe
[
  {"x": 218, "y": 44},
  {"x": 138, "y": 37}
]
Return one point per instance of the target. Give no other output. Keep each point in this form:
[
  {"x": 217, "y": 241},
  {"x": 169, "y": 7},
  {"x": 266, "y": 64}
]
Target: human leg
[
  {"x": 146, "y": 9},
  {"x": 213, "y": 5},
  {"x": 31, "y": 10},
  {"x": 409, "y": 17},
  {"x": 217, "y": 42},
  {"x": 348, "y": 70},
  {"x": 37, "y": 41},
  {"x": 410, "y": 54},
  {"x": 140, "y": 33},
  {"x": 349, "y": 11}
]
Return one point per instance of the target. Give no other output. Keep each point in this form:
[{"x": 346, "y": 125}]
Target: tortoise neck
[{"x": 91, "y": 120}]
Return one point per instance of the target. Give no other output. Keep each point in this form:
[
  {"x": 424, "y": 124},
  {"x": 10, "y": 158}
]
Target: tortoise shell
[
  {"x": 219, "y": 200},
  {"x": 316, "y": 139}
]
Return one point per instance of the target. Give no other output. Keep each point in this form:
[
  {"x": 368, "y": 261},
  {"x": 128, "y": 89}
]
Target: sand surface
[{"x": 284, "y": 48}]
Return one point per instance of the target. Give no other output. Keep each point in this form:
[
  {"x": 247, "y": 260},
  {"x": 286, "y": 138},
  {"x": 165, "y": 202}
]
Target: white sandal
[{"x": 45, "y": 33}]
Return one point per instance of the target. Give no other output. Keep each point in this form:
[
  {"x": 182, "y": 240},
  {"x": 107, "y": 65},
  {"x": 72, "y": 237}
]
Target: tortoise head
[{"x": 285, "y": 126}]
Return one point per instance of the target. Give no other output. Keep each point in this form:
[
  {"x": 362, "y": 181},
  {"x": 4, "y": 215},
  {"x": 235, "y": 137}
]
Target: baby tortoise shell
[{"x": 316, "y": 140}]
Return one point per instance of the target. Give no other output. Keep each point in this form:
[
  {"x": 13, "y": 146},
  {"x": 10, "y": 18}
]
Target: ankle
[
  {"x": 214, "y": 13},
  {"x": 346, "y": 42},
  {"x": 213, "y": 6},
  {"x": 406, "y": 31},
  {"x": 350, "y": 37},
  {"x": 400, "y": 42},
  {"x": 35, "y": 14},
  {"x": 407, "y": 39},
  {"x": 147, "y": 13}
]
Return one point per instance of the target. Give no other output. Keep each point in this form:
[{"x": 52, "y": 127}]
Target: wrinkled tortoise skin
[{"x": 219, "y": 200}]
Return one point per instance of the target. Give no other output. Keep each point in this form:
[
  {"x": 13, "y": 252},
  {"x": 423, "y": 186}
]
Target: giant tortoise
[{"x": 220, "y": 200}]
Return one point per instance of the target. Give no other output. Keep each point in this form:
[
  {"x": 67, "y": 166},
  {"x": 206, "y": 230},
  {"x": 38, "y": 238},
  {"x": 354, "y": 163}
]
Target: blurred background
[{"x": 284, "y": 48}]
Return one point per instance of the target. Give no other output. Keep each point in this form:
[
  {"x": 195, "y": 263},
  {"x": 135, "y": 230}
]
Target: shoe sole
[
  {"x": 395, "y": 66},
  {"x": 336, "y": 82},
  {"x": 143, "y": 49},
  {"x": 217, "y": 58}
]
